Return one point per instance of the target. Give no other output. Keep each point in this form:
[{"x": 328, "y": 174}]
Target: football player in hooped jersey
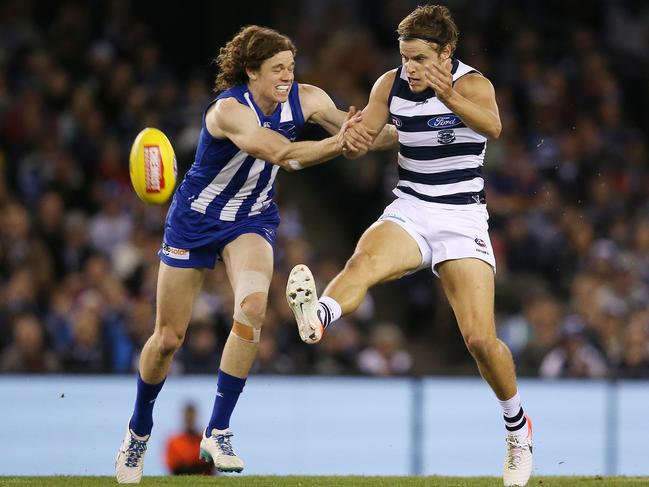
[
  {"x": 444, "y": 111},
  {"x": 224, "y": 208}
]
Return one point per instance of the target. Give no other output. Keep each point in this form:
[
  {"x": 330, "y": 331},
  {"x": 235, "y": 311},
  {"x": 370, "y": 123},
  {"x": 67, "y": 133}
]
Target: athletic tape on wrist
[{"x": 295, "y": 165}]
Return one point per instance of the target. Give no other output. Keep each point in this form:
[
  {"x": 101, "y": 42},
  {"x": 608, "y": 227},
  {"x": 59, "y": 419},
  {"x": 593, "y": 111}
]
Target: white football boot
[
  {"x": 518, "y": 458},
  {"x": 217, "y": 449},
  {"x": 129, "y": 463},
  {"x": 303, "y": 301}
]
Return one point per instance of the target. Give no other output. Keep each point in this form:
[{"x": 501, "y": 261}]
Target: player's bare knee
[
  {"x": 361, "y": 264},
  {"x": 169, "y": 341},
  {"x": 480, "y": 346}
]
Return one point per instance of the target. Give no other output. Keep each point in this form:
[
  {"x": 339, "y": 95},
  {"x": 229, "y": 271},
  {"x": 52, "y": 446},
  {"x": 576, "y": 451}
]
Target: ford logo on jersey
[{"x": 444, "y": 122}]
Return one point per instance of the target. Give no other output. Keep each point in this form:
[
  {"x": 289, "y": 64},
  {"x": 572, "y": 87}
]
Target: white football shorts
[{"x": 444, "y": 233}]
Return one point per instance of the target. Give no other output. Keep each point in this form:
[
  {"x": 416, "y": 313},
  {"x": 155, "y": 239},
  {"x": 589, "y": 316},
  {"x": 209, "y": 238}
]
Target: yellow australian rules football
[{"x": 152, "y": 165}]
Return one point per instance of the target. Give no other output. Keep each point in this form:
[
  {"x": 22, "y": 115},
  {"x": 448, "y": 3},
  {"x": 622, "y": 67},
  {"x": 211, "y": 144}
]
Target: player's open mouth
[
  {"x": 282, "y": 88},
  {"x": 413, "y": 81}
]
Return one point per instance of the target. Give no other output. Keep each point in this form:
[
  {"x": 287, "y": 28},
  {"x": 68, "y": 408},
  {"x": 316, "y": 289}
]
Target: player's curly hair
[
  {"x": 433, "y": 23},
  {"x": 249, "y": 48}
]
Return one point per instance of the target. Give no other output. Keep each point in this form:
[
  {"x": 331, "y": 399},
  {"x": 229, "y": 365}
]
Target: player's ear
[
  {"x": 446, "y": 52},
  {"x": 252, "y": 74}
]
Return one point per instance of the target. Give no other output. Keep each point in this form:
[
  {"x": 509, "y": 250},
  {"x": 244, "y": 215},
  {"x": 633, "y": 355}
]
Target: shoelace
[
  {"x": 136, "y": 449},
  {"x": 515, "y": 448},
  {"x": 224, "y": 444}
]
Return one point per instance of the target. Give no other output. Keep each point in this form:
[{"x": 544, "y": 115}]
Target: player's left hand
[
  {"x": 439, "y": 78},
  {"x": 357, "y": 137}
]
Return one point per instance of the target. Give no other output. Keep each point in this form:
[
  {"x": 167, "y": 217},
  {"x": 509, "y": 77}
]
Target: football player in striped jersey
[{"x": 444, "y": 112}]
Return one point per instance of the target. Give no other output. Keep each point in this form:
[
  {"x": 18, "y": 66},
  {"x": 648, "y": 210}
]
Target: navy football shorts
[{"x": 194, "y": 240}]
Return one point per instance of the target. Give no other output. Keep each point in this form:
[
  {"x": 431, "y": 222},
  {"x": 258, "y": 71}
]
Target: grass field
[{"x": 328, "y": 481}]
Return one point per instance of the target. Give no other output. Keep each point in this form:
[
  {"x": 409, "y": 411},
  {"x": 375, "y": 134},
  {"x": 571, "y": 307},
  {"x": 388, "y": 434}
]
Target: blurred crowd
[{"x": 567, "y": 191}]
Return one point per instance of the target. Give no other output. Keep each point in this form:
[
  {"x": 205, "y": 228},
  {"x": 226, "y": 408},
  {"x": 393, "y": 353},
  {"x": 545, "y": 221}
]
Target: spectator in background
[
  {"x": 199, "y": 355},
  {"x": 338, "y": 352},
  {"x": 111, "y": 226},
  {"x": 532, "y": 333},
  {"x": 635, "y": 359},
  {"x": 183, "y": 449},
  {"x": 86, "y": 352},
  {"x": 575, "y": 356},
  {"x": 28, "y": 353},
  {"x": 386, "y": 355},
  {"x": 20, "y": 247}
]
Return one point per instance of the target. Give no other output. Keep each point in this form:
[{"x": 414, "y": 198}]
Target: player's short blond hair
[
  {"x": 431, "y": 23},
  {"x": 248, "y": 49}
]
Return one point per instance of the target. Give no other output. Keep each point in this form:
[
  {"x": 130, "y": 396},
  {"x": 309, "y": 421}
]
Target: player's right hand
[{"x": 357, "y": 138}]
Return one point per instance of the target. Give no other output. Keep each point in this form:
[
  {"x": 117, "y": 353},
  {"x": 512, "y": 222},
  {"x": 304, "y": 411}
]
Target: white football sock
[
  {"x": 329, "y": 310},
  {"x": 514, "y": 416}
]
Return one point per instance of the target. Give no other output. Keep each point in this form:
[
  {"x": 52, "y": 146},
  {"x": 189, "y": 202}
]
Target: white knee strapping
[{"x": 249, "y": 282}]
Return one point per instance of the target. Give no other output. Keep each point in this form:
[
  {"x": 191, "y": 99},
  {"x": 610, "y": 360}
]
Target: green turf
[{"x": 252, "y": 481}]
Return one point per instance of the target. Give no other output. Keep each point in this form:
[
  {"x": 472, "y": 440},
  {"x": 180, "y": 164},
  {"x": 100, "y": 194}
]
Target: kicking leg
[{"x": 384, "y": 252}]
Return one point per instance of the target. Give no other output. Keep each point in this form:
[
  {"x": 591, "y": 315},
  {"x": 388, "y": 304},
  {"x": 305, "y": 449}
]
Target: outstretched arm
[
  {"x": 229, "y": 119},
  {"x": 330, "y": 118}
]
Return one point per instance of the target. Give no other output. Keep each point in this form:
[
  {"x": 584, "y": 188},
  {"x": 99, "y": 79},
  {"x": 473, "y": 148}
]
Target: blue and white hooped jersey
[
  {"x": 226, "y": 183},
  {"x": 440, "y": 158}
]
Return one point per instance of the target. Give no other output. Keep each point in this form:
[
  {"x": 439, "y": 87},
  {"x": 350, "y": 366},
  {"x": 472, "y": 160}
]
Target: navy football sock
[
  {"x": 227, "y": 393},
  {"x": 142, "y": 419}
]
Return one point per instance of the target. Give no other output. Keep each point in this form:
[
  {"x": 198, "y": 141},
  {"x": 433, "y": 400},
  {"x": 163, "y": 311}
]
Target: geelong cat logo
[
  {"x": 446, "y": 136},
  {"x": 444, "y": 122}
]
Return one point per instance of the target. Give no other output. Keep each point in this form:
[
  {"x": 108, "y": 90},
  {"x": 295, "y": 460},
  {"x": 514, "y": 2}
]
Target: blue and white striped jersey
[
  {"x": 440, "y": 158},
  {"x": 224, "y": 182}
]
